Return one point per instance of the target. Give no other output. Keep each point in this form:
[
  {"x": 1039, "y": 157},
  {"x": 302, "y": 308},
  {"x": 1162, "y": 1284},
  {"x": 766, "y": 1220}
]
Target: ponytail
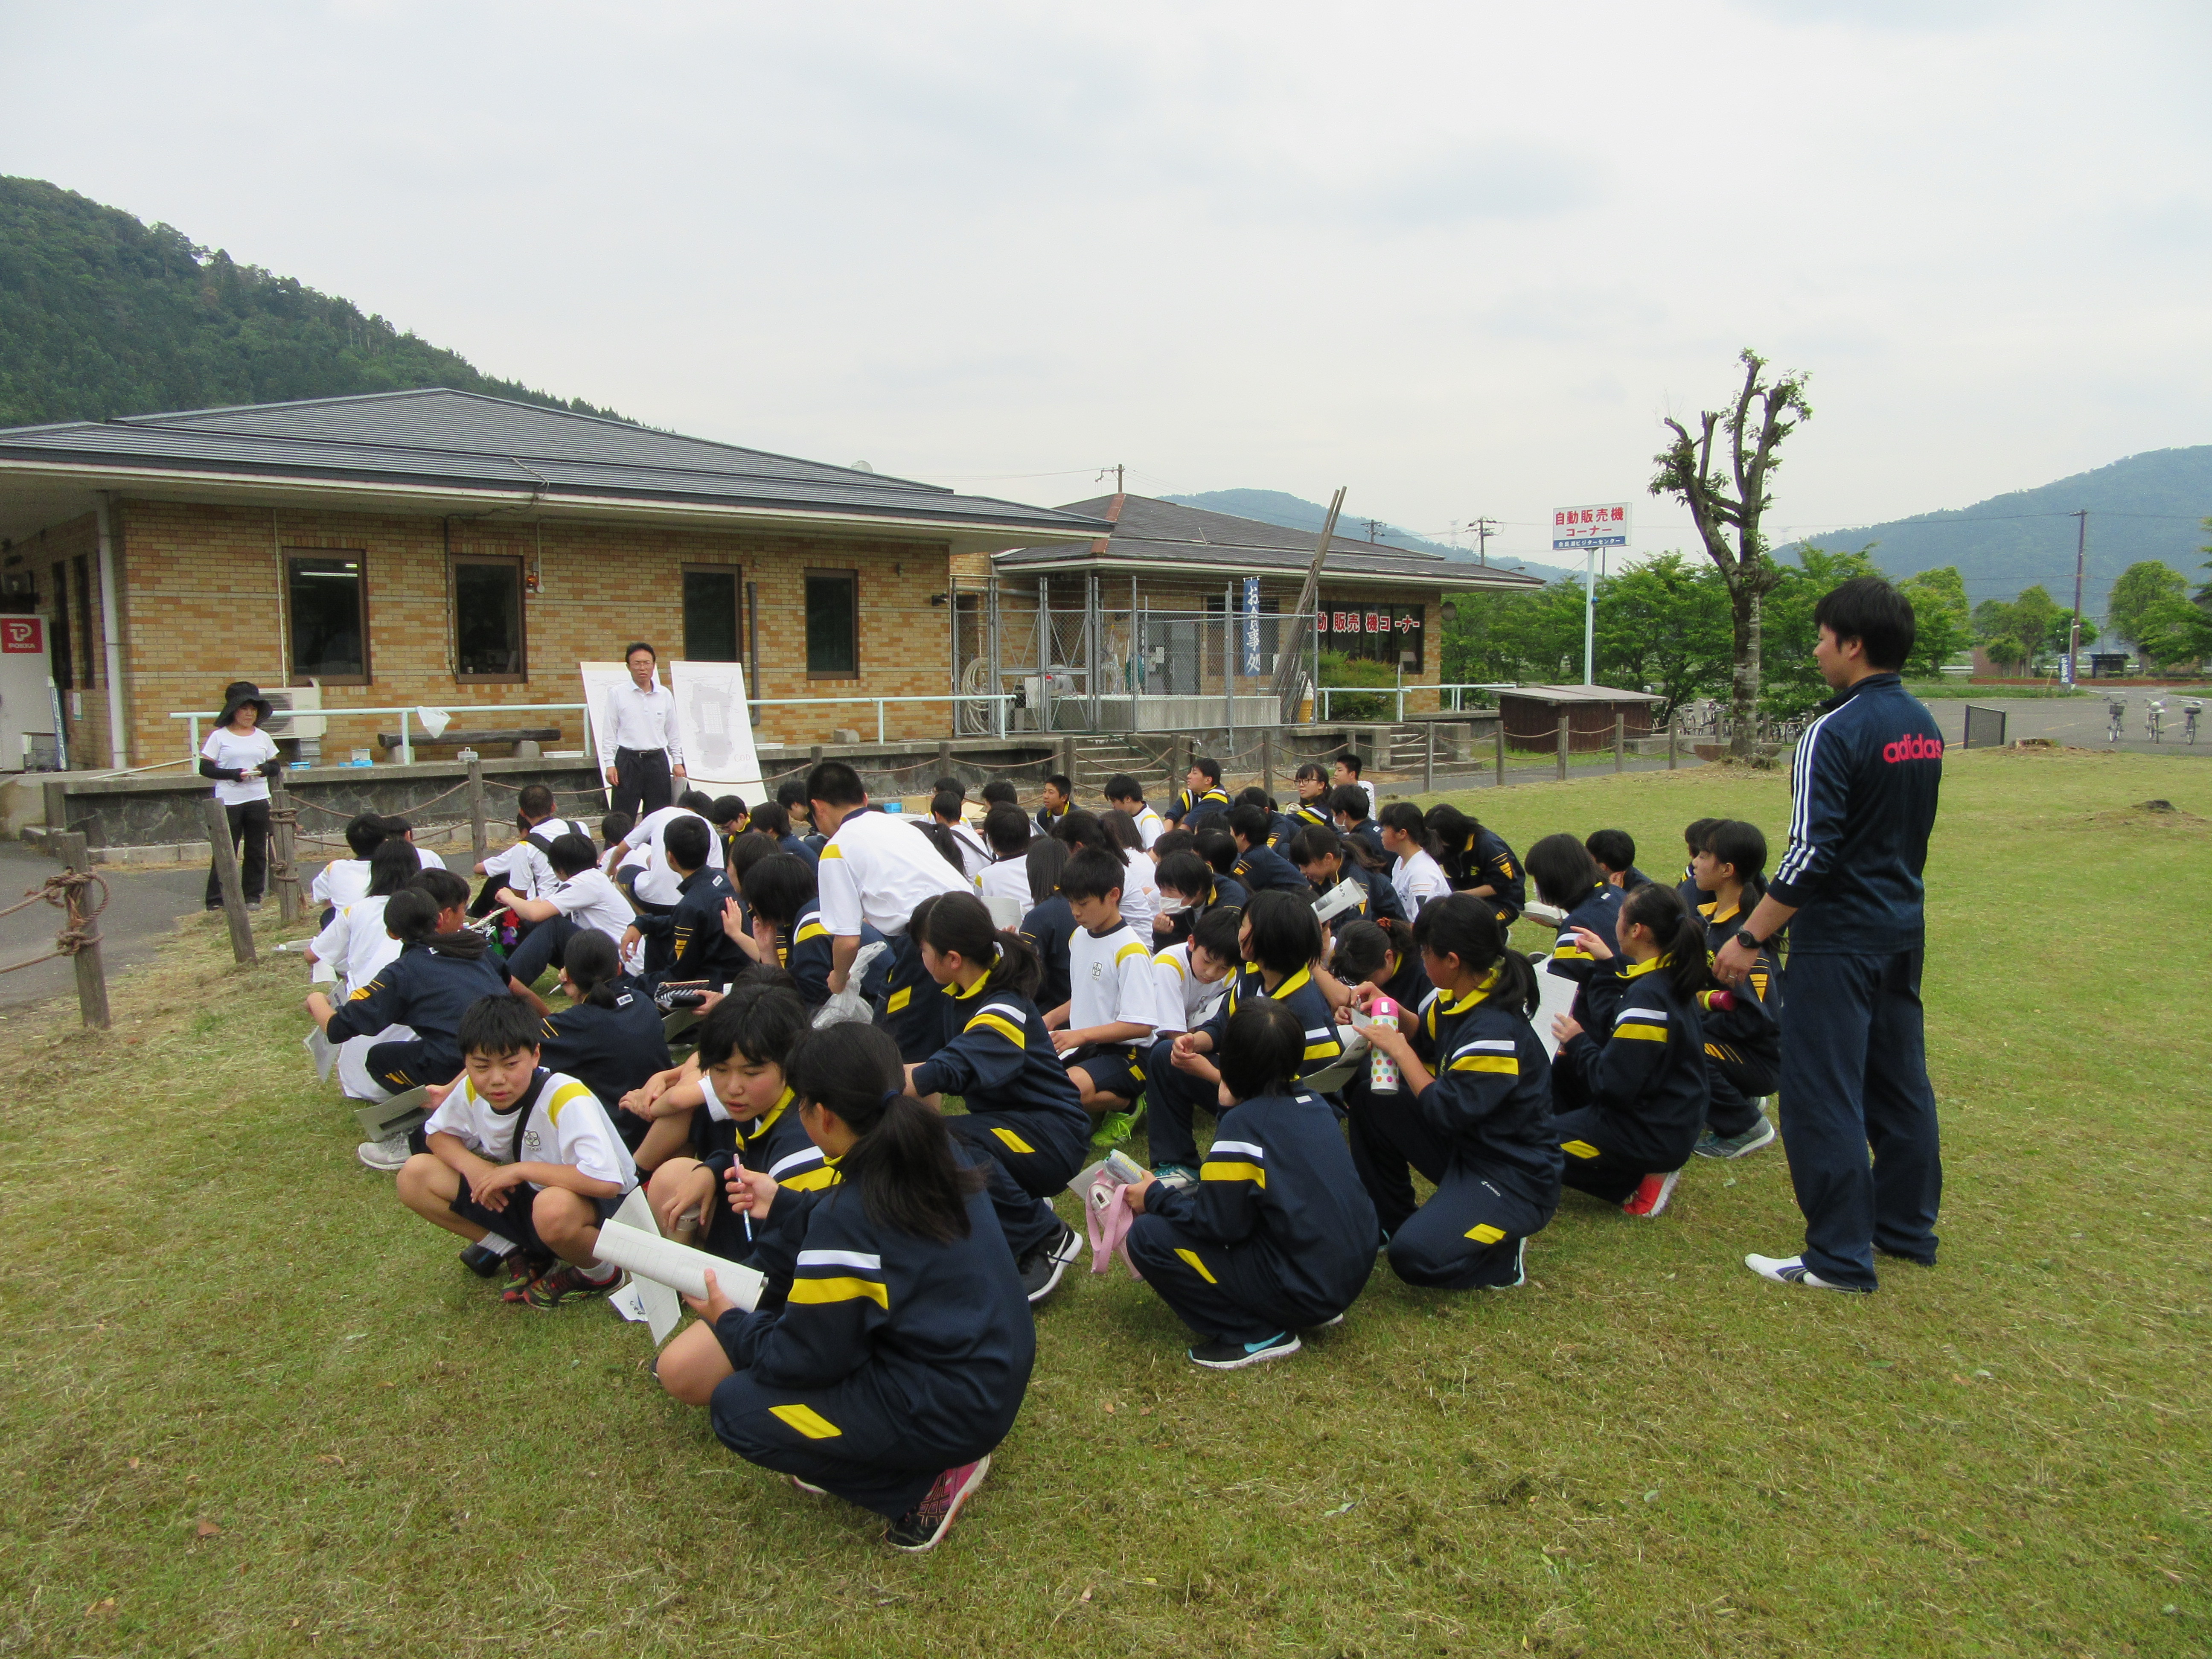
[
  {"x": 958, "y": 923},
  {"x": 1678, "y": 934},
  {"x": 901, "y": 1162},
  {"x": 1459, "y": 925},
  {"x": 594, "y": 963}
]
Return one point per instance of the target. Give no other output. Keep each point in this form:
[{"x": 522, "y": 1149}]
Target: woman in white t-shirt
[
  {"x": 1417, "y": 877},
  {"x": 241, "y": 758}
]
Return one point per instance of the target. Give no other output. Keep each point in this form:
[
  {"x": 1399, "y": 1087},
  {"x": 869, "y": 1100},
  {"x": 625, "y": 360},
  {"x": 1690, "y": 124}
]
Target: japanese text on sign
[{"x": 1575, "y": 528}]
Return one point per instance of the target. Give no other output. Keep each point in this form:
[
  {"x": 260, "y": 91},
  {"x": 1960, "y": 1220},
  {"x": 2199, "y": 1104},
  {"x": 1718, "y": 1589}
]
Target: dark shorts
[
  {"x": 1114, "y": 1071},
  {"x": 515, "y": 1222}
]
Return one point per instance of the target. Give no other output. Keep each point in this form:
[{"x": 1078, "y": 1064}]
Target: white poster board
[
  {"x": 714, "y": 721},
  {"x": 599, "y": 678}
]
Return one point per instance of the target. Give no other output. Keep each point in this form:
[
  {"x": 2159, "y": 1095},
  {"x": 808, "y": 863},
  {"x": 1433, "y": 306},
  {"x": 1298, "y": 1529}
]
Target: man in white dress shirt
[{"x": 641, "y": 720}]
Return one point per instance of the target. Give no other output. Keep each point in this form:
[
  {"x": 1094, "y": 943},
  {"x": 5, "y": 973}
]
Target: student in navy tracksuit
[
  {"x": 1259, "y": 866},
  {"x": 1276, "y": 1235},
  {"x": 1567, "y": 879},
  {"x": 1693, "y": 840},
  {"x": 1854, "y": 1072},
  {"x": 1631, "y": 1090},
  {"x": 689, "y": 935},
  {"x": 1202, "y": 796},
  {"x": 787, "y": 923},
  {"x": 1354, "y": 811},
  {"x": 1325, "y": 859},
  {"x": 1473, "y": 1112},
  {"x": 431, "y": 984},
  {"x": 610, "y": 1037},
  {"x": 1477, "y": 860},
  {"x": 1280, "y": 941},
  {"x": 1025, "y": 1125},
  {"x": 892, "y": 1344},
  {"x": 1188, "y": 888},
  {"x": 1743, "y": 1023}
]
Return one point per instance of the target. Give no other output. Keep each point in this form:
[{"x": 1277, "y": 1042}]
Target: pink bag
[{"x": 1107, "y": 1218}]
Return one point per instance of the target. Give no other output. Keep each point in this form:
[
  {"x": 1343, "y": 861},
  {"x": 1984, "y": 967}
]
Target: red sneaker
[
  {"x": 921, "y": 1528},
  {"x": 1651, "y": 1194}
]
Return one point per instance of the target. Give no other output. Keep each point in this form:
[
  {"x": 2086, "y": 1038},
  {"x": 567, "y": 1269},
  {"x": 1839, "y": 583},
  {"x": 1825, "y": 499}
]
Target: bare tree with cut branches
[{"x": 1728, "y": 505}]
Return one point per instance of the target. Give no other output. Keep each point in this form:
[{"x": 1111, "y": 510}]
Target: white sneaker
[
  {"x": 388, "y": 1153},
  {"x": 1792, "y": 1270}
]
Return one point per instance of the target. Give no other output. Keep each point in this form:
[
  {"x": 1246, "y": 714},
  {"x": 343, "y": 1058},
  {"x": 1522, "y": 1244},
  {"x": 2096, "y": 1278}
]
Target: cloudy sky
[{"x": 1461, "y": 258}]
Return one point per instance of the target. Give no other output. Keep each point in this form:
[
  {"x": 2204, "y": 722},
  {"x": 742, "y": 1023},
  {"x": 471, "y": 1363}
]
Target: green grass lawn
[{"x": 253, "y": 1406}]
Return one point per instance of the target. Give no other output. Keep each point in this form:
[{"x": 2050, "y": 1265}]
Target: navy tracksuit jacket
[
  {"x": 427, "y": 986},
  {"x": 1630, "y": 1089},
  {"x": 1176, "y": 1096},
  {"x": 1262, "y": 868},
  {"x": 1486, "y": 861},
  {"x": 1743, "y": 1044},
  {"x": 1599, "y": 912},
  {"x": 699, "y": 946}
]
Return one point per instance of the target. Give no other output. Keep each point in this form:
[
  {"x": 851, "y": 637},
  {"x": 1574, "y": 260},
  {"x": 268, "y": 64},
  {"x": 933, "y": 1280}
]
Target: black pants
[
  {"x": 1854, "y": 1079},
  {"x": 1738, "y": 1087},
  {"x": 542, "y": 950},
  {"x": 1231, "y": 1291},
  {"x": 1025, "y": 1160},
  {"x": 1468, "y": 1235},
  {"x": 1176, "y": 1098},
  {"x": 249, "y": 837},
  {"x": 642, "y": 783}
]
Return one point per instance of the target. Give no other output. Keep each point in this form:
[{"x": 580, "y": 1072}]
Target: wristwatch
[{"x": 1749, "y": 940}]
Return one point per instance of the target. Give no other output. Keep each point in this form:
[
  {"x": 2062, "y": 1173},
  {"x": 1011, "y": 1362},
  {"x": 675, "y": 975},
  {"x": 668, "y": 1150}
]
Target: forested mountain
[{"x": 100, "y": 316}]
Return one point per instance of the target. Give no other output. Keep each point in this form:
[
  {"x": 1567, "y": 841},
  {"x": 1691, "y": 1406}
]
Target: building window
[
  {"x": 89, "y": 674},
  {"x": 329, "y": 619},
  {"x": 833, "y": 631},
  {"x": 64, "y": 636},
  {"x": 487, "y": 640},
  {"x": 710, "y": 614},
  {"x": 1379, "y": 633}
]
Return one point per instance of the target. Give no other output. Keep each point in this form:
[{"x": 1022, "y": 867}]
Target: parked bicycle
[
  {"x": 2118, "y": 707},
  {"x": 2189, "y": 711},
  {"x": 2155, "y": 720}
]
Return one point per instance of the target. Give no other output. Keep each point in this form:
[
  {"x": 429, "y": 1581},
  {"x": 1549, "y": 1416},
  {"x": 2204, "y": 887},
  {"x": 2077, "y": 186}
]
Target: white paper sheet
[
  {"x": 715, "y": 722},
  {"x": 599, "y": 678}
]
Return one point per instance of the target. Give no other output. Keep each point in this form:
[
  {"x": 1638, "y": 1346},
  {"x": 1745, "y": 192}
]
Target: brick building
[{"x": 444, "y": 548}]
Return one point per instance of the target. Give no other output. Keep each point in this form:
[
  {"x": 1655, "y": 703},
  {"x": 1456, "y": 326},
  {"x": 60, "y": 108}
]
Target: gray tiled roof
[
  {"x": 1167, "y": 535},
  {"x": 465, "y": 440}
]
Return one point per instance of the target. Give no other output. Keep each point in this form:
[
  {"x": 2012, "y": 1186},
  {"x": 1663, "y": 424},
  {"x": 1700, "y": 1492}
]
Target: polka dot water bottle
[{"x": 1382, "y": 1070}]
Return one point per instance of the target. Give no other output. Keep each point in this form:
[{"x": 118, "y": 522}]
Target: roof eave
[{"x": 1452, "y": 578}]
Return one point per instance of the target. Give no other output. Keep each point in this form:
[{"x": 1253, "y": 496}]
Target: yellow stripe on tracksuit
[
  {"x": 1508, "y": 1063},
  {"x": 1641, "y": 1031},
  {"x": 811, "y": 930},
  {"x": 808, "y": 1421},
  {"x": 1013, "y": 1140},
  {"x": 898, "y": 1000},
  {"x": 1196, "y": 1266},
  {"x": 1004, "y": 1027},
  {"x": 1214, "y": 1169},
  {"x": 845, "y": 1289}
]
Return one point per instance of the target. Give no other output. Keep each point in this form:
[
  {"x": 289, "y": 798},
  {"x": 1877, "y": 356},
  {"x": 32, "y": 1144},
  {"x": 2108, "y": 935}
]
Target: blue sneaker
[{"x": 1223, "y": 1355}]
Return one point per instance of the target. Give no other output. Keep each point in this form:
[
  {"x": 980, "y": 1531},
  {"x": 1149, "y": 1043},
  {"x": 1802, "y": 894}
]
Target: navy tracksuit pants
[
  {"x": 1021, "y": 1173},
  {"x": 1229, "y": 1290},
  {"x": 855, "y": 1439},
  {"x": 1468, "y": 1235},
  {"x": 1737, "y": 1090},
  {"x": 1175, "y": 1099},
  {"x": 913, "y": 1007},
  {"x": 1854, "y": 1079}
]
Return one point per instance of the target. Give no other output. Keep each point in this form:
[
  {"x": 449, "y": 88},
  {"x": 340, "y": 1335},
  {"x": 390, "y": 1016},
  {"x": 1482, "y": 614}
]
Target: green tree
[
  {"x": 1663, "y": 626},
  {"x": 1727, "y": 506},
  {"x": 2034, "y": 614},
  {"x": 1793, "y": 680},
  {"x": 1943, "y": 624},
  {"x": 2140, "y": 589},
  {"x": 1997, "y": 629}
]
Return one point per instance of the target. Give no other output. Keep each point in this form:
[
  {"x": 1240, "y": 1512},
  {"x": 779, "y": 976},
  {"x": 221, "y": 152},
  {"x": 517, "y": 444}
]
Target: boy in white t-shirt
[
  {"x": 523, "y": 1162},
  {"x": 241, "y": 758},
  {"x": 1006, "y": 827},
  {"x": 341, "y": 881},
  {"x": 583, "y": 898},
  {"x": 1110, "y": 1018},
  {"x": 654, "y": 883},
  {"x": 1190, "y": 978},
  {"x": 356, "y": 944}
]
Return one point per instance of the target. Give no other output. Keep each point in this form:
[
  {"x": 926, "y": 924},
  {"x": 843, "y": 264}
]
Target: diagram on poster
[
  {"x": 601, "y": 678},
  {"x": 714, "y": 723}
]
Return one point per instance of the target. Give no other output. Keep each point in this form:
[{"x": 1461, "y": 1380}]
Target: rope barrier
[{"x": 74, "y": 937}]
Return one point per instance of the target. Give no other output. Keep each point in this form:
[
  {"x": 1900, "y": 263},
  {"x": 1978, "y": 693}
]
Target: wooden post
[
  {"x": 1619, "y": 739},
  {"x": 479, "y": 838},
  {"x": 1429, "y": 757},
  {"x": 1500, "y": 734},
  {"x": 283, "y": 852},
  {"x": 1673, "y": 726},
  {"x": 226, "y": 874},
  {"x": 91, "y": 978},
  {"x": 945, "y": 760},
  {"x": 1563, "y": 749},
  {"x": 1267, "y": 759}
]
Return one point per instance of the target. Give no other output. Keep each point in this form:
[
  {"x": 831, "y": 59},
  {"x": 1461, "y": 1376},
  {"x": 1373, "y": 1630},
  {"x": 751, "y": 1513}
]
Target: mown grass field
[{"x": 252, "y": 1407}]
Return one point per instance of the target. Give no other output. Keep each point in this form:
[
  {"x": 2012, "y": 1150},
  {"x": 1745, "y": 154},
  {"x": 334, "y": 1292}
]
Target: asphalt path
[{"x": 2081, "y": 722}]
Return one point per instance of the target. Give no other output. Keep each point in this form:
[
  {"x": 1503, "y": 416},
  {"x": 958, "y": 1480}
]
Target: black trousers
[
  {"x": 1177, "y": 1098},
  {"x": 249, "y": 838},
  {"x": 1025, "y": 1161},
  {"x": 1854, "y": 1081},
  {"x": 642, "y": 783},
  {"x": 1229, "y": 1290},
  {"x": 543, "y": 949},
  {"x": 1738, "y": 1087}
]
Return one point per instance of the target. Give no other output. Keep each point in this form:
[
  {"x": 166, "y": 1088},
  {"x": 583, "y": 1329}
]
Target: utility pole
[
  {"x": 1485, "y": 528},
  {"x": 1373, "y": 525},
  {"x": 2081, "y": 559}
]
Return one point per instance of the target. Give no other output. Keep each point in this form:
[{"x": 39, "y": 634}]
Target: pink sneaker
[
  {"x": 921, "y": 1528},
  {"x": 1651, "y": 1194}
]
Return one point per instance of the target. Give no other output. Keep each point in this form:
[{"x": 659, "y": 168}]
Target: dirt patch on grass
[{"x": 2159, "y": 816}]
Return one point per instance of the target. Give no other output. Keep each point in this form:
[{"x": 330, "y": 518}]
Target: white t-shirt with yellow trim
[
  {"x": 567, "y": 1125},
  {"x": 1110, "y": 978}
]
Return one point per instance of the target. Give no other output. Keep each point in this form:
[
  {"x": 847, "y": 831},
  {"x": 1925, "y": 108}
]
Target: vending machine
[{"x": 30, "y": 708}]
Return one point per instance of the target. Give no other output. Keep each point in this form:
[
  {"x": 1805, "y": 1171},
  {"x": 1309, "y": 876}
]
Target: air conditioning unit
[{"x": 295, "y": 717}]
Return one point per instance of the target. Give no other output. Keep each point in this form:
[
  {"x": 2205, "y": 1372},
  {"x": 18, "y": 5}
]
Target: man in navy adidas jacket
[{"x": 1854, "y": 1062}]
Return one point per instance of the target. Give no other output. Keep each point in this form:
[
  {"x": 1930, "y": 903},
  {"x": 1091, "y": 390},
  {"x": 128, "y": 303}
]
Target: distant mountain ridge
[
  {"x": 2147, "y": 507},
  {"x": 1295, "y": 512},
  {"x": 102, "y": 316}
]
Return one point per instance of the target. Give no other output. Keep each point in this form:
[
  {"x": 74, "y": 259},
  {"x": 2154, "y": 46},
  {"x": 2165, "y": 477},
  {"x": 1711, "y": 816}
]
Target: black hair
[
  {"x": 1187, "y": 873},
  {"x": 397, "y": 826},
  {"x": 946, "y": 804},
  {"x": 536, "y": 801},
  {"x": 961, "y": 923},
  {"x": 834, "y": 783},
  {"x": 1262, "y": 1046},
  {"x": 1351, "y": 801},
  {"x": 1006, "y": 827},
  {"x": 1461, "y": 925},
  {"x": 1249, "y": 821},
  {"x": 791, "y": 794},
  {"x": 902, "y": 1162},
  {"x": 1081, "y": 827},
  {"x": 1093, "y": 874},
  {"x": 1318, "y": 841},
  {"x": 771, "y": 819},
  {"x": 760, "y": 1022},
  {"x": 571, "y": 854},
  {"x": 1613, "y": 849},
  {"x": 500, "y": 1024},
  {"x": 951, "y": 783},
  {"x": 1121, "y": 828},
  {"x": 365, "y": 834},
  {"x": 1043, "y": 863},
  {"x": 1362, "y": 949},
  {"x": 1563, "y": 869},
  {"x": 616, "y": 826},
  {"x": 1695, "y": 831},
  {"x": 1349, "y": 760},
  {"x": 1216, "y": 846},
  {"x": 745, "y": 852},
  {"x": 1001, "y": 790},
  {"x": 1868, "y": 610},
  {"x": 1452, "y": 828},
  {"x": 687, "y": 842},
  {"x": 1286, "y": 937},
  {"x": 1679, "y": 936},
  {"x": 941, "y": 838},
  {"x": 780, "y": 887},
  {"x": 1216, "y": 932},
  {"x": 727, "y": 809},
  {"x": 697, "y": 800},
  {"x": 1207, "y": 769},
  {"x": 593, "y": 962},
  {"x": 391, "y": 867},
  {"x": 1122, "y": 786},
  {"x": 1177, "y": 839},
  {"x": 410, "y": 914},
  {"x": 1405, "y": 818},
  {"x": 637, "y": 646},
  {"x": 1743, "y": 846},
  {"x": 1311, "y": 771},
  {"x": 442, "y": 884},
  {"x": 1062, "y": 782}
]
